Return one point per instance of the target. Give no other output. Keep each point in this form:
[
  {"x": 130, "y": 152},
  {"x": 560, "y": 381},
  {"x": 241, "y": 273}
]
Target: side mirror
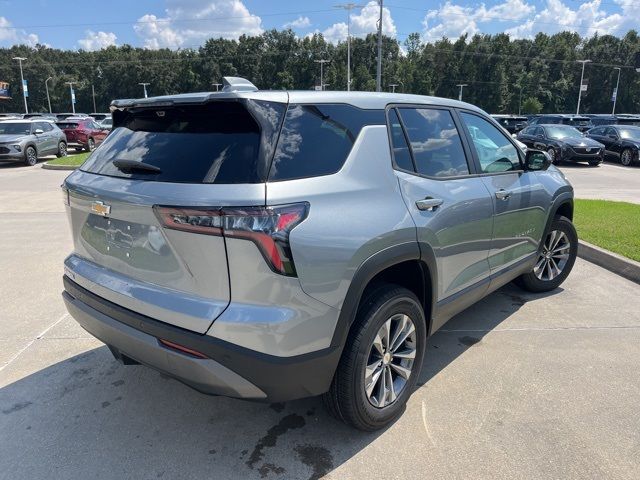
[
  {"x": 613, "y": 137},
  {"x": 537, "y": 160},
  {"x": 38, "y": 131}
]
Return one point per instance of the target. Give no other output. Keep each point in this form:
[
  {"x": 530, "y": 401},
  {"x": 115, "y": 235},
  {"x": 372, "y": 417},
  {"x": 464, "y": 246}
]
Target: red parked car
[{"x": 83, "y": 133}]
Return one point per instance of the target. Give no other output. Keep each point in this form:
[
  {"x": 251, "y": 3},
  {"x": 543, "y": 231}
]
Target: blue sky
[{"x": 71, "y": 24}]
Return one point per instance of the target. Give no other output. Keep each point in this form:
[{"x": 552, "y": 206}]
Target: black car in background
[
  {"x": 604, "y": 119},
  {"x": 621, "y": 142},
  {"x": 511, "y": 123},
  {"x": 580, "y": 122},
  {"x": 563, "y": 143}
]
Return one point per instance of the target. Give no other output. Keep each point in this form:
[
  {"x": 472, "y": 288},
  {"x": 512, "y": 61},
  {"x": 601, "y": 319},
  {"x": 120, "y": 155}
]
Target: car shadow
[{"x": 90, "y": 417}]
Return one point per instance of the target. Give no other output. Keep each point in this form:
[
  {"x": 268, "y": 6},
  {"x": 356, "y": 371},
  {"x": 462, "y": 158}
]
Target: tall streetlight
[
  {"x": 393, "y": 87},
  {"x": 615, "y": 92},
  {"x": 461, "y": 85},
  {"x": 144, "y": 86},
  {"x": 46, "y": 86},
  {"x": 583, "y": 62},
  {"x": 217, "y": 85},
  {"x": 379, "y": 67},
  {"x": 321, "y": 62},
  {"x": 25, "y": 91},
  {"x": 73, "y": 96},
  {"x": 348, "y": 7}
]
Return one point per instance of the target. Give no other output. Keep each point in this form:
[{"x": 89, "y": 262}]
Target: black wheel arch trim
[
  {"x": 563, "y": 197},
  {"x": 371, "y": 267}
]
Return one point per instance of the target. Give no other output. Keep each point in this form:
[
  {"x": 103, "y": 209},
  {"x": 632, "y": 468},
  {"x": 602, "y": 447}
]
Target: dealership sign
[{"x": 4, "y": 91}]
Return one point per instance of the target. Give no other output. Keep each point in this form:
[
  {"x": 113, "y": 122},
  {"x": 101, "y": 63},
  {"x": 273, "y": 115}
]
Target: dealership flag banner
[{"x": 5, "y": 94}]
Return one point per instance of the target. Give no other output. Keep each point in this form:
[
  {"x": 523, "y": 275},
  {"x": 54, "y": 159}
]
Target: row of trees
[{"x": 503, "y": 75}]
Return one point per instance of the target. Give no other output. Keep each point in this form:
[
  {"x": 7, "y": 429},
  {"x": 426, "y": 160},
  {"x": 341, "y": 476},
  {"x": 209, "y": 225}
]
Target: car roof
[
  {"x": 28, "y": 120},
  {"x": 364, "y": 100}
]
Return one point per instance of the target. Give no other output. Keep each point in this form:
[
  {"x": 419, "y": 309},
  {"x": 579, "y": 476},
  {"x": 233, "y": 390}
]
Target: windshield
[
  {"x": 560, "y": 133},
  {"x": 15, "y": 128},
  {"x": 630, "y": 134}
]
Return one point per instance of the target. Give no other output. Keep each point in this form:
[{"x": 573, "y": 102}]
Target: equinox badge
[{"x": 100, "y": 208}]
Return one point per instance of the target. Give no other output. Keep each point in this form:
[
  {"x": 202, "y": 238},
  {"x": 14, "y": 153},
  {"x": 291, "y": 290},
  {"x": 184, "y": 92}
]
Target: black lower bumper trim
[{"x": 281, "y": 378}]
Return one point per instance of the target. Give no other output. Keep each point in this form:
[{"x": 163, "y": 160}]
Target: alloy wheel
[
  {"x": 552, "y": 154},
  {"x": 626, "y": 158},
  {"x": 32, "y": 156},
  {"x": 390, "y": 361},
  {"x": 554, "y": 256},
  {"x": 62, "y": 149}
]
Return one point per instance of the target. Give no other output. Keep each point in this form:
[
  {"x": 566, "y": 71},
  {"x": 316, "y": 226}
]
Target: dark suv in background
[
  {"x": 511, "y": 123},
  {"x": 563, "y": 143},
  {"x": 580, "y": 122}
]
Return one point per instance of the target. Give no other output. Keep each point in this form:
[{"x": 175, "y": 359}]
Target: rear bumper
[{"x": 230, "y": 370}]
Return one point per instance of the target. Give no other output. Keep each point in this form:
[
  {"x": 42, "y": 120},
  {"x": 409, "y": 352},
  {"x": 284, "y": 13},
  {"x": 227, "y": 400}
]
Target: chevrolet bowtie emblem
[{"x": 100, "y": 208}]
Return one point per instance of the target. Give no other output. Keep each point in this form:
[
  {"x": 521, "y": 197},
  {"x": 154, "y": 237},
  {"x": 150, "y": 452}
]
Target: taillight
[{"x": 267, "y": 227}]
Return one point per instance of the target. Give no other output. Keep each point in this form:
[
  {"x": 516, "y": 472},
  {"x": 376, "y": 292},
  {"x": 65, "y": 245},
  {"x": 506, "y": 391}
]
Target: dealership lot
[
  {"x": 609, "y": 181},
  {"x": 521, "y": 385}
]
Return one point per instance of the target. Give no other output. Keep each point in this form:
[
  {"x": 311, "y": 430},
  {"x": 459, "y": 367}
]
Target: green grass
[
  {"x": 70, "y": 160},
  {"x": 614, "y": 226}
]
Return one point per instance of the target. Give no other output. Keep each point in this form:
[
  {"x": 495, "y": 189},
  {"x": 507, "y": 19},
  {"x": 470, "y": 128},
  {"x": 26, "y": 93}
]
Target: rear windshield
[
  {"x": 220, "y": 142},
  {"x": 66, "y": 125}
]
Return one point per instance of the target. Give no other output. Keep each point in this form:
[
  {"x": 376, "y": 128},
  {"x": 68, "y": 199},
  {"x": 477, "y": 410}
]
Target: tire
[
  {"x": 91, "y": 145},
  {"x": 626, "y": 158},
  {"x": 543, "y": 277},
  {"x": 62, "y": 150},
  {"x": 79, "y": 149},
  {"x": 30, "y": 156},
  {"x": 594, "y": 163},
  {"x": 347, "y": 399},
  {"x": 552, "y": 153}
]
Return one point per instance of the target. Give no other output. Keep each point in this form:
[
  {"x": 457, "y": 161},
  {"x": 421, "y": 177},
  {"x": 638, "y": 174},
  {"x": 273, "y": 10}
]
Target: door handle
[
  {"x": 428, "y": 203},
  {"x": 503, "y": 194}
]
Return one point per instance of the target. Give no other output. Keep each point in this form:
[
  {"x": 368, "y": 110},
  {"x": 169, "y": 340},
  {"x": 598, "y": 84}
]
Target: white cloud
[
  {"x": 587, "y": 20},
  {"x": 361, "y": 24},
  {"x": 191, "y": 22},
  {"x": 15, "y": 36},
  {"x": 300, "y": 22},
  {"x": 452, "y": 20},
  {"x": 97, "y": 40}
]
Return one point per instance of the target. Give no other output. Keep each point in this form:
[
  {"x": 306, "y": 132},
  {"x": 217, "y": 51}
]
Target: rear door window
[
  {"x": 220, "y": 142},
  {"x": 435, "y": 142},
  {"x": 316, "y": 139}
]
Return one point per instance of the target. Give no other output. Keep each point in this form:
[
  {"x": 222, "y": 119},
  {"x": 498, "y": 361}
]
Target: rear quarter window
[{"x": 315, "y": 140}]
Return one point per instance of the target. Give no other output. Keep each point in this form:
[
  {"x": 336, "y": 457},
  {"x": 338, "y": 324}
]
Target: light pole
[
  {"x": 461, "y": 85},
  {"x": 93, "y": 94},
  {"x": 321, "y": 62},
  {"x": 25, "y": 90},
  {"x": 217, "y": 85},
  {"x": 46, "y": 86},
  {"x": 520, "y": 102},
  {"x": 379, "y": 67},
  {"x": 615, "y": 92},
  {"x": 393, "y": 87},
  {"x": 583, "y": 62},
  {"x": 348, "y": 7},
  {"x": 73, "y": 96},
  {"x": 144, "y": 86}
]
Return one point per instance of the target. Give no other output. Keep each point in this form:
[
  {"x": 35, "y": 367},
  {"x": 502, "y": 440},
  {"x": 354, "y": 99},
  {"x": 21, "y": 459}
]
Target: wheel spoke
[
  {"x": 377, "y": 343},
  {"x": 550, "y": 275},
  {"x": 402, "y": 324},
  {"x": 382, "y": 389},
  {"x": 392, "y": 391},
  {"x": 386, "y": 333},
  {"x": 402, "y": 338},
  {"x": 372, "y": 377},
  {"x": 551, "y": 240},
  {"x": 405, "y": 354},
  {"x": 404, "y": 372}
]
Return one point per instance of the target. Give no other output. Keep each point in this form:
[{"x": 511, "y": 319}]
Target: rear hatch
[
  {"x": 209, "y": 155},
  {"x": 70, "y": 130}
]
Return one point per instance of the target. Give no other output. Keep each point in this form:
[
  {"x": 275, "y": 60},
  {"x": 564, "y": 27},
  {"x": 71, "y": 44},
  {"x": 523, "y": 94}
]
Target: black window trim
[
  {"x": 476, "y": 160},
  {"x": 465, "y": 146}
]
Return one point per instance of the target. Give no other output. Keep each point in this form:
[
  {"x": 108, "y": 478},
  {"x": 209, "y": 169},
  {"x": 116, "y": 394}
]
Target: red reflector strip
[{"x": 181, "y": 348}]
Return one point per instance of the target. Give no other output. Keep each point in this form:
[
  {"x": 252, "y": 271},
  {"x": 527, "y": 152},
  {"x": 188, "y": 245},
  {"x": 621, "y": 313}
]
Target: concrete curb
[
  {"x": 58, "y": 167},
  {"x": 625, "y": 267}
]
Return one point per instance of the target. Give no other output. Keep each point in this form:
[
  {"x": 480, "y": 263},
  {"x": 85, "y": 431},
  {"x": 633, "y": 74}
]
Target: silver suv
[
  {"x": 279, "y": 245},
  {"x": 27, "y": 140}
]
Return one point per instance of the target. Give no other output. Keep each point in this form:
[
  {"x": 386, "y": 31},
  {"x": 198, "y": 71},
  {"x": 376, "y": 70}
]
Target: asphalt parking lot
[
  {"x": 609, "y": 181},
  {"x": 519, "y": 386}
]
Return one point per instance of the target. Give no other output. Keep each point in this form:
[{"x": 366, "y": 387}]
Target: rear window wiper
[{"x": 130, "y": 166}]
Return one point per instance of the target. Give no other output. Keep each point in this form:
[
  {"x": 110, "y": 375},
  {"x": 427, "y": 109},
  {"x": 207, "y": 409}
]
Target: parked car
[
  {"x": 582, "y": 123},
  {"x": 27, "y": 140},
  {"x": 563, "y": 143},
  {"x": 511, "y": 123},
  {"x": 83, "y": 133},
  {"x": 106, "y": 123},
  {"x": 98, "y": 117},
  {"x": 597, "y": 120},
  {"x": 622, "y": 143},
  {"x": 278, "y": 245},
  {"x": 64, "y": 116}
]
